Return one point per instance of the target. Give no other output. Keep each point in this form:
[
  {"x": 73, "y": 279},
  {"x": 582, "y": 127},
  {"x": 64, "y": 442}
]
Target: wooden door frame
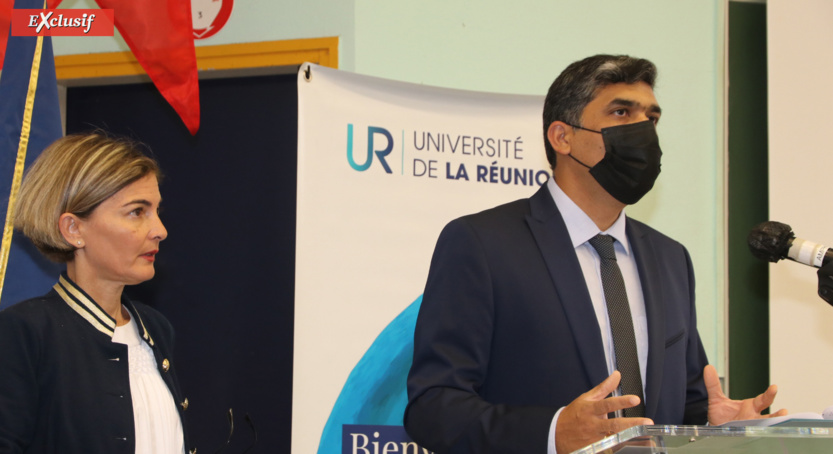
[{"x": 257, "y": 57}]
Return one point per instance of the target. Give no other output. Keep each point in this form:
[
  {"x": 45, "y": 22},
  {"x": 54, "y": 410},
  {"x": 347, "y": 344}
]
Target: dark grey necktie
[{"x": 621, "y": 323}]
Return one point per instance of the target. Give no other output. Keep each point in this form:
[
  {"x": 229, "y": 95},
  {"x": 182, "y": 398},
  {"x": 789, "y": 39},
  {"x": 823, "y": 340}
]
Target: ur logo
[{"x": 373, "y": 132}]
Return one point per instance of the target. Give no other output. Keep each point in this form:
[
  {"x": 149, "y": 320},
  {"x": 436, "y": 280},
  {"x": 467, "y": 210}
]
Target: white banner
[{"x": 382, "y": 167}]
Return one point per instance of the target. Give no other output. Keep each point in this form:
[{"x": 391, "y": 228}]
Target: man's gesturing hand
[
  {"x": 722, "y": 409},
  {"x": 585, "y": 420}
]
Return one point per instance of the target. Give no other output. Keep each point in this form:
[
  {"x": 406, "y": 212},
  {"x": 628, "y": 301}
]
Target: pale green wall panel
[
  {"x": 250, "y": 21},
  {"x": 519, "y": 47}
]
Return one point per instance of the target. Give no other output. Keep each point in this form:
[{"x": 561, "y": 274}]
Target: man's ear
[
  {"x": 70, "y": 227},
  {"x": 560, "y": 136}
]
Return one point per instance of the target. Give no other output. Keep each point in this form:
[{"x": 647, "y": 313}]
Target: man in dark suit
[{"x": 514, "y": 344}]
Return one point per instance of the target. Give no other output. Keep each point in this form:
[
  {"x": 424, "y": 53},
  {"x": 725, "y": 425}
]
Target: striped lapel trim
[
  {"x": 84, "y": 306},
  {"x": 92, "y": 312}
]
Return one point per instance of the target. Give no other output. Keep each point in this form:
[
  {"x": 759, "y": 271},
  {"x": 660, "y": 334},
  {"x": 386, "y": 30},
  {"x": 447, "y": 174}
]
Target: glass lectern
[{"x": 794, "y": 438}]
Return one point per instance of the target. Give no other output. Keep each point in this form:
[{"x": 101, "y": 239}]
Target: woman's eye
[{"x": 137, "y": 211}]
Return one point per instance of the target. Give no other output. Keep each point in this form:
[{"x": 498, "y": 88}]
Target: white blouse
[{"x": 155, "y": 417}]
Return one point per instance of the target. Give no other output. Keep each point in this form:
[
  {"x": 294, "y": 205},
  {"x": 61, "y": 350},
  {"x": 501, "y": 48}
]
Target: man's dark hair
[{"x": 579, "y": 83}]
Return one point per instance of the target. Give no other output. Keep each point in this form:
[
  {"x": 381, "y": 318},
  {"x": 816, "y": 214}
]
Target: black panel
[
  {"x": 225, "y": 275},
  {"x": 748, "y": 200}
]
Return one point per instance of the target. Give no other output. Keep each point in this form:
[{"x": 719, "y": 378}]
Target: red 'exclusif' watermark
[{"x": 64, "y": 22}]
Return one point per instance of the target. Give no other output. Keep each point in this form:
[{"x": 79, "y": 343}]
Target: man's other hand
[{"x": 722, "y": 409}]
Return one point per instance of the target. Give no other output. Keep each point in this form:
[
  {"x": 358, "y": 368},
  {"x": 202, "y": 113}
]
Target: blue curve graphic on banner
[{"x": 375, "y": 391}]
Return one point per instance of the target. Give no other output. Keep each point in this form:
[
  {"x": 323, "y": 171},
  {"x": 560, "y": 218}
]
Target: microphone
[{"x": 773, "y": 241}]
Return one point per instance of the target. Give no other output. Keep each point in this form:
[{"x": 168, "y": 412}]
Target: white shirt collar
[{"x": 579, "y": 225}]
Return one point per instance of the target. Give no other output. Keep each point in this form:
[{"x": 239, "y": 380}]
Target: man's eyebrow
[{"x": 653, "y": 108}]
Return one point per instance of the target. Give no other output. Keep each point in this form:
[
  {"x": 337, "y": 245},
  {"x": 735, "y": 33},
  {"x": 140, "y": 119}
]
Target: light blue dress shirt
[{"x": 581, "y": 228}]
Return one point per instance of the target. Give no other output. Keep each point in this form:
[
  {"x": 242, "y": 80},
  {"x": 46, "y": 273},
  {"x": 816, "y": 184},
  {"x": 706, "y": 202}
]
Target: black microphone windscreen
[{"x": 770, "y": 240}]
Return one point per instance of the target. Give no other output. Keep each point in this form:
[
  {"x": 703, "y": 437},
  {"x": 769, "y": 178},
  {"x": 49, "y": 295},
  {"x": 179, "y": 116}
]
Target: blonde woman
[{"x": 83, "y": 369}]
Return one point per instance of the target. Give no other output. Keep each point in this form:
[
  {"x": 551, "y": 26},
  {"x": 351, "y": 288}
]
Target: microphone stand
[{"x": 825, "y": 274}]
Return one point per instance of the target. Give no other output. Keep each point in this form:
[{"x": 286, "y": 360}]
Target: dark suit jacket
[
  {"x": 64, "y": 384},
  {"x": 507, "y": 335}
]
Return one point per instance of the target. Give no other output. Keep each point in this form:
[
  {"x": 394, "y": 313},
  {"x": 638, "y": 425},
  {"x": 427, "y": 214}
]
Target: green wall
[{"x": 519, "y": 47}]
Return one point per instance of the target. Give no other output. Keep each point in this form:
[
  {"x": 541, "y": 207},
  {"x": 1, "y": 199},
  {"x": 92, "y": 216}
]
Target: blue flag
[{"x": 28, "y": 76}]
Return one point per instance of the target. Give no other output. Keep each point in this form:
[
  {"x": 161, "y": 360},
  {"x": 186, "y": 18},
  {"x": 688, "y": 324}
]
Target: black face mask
[{"x": 631, "y": 163}]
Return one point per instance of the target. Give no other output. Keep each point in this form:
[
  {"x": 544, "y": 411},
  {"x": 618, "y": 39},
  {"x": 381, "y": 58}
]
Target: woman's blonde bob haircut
[{"x": 74, "y": 175}]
